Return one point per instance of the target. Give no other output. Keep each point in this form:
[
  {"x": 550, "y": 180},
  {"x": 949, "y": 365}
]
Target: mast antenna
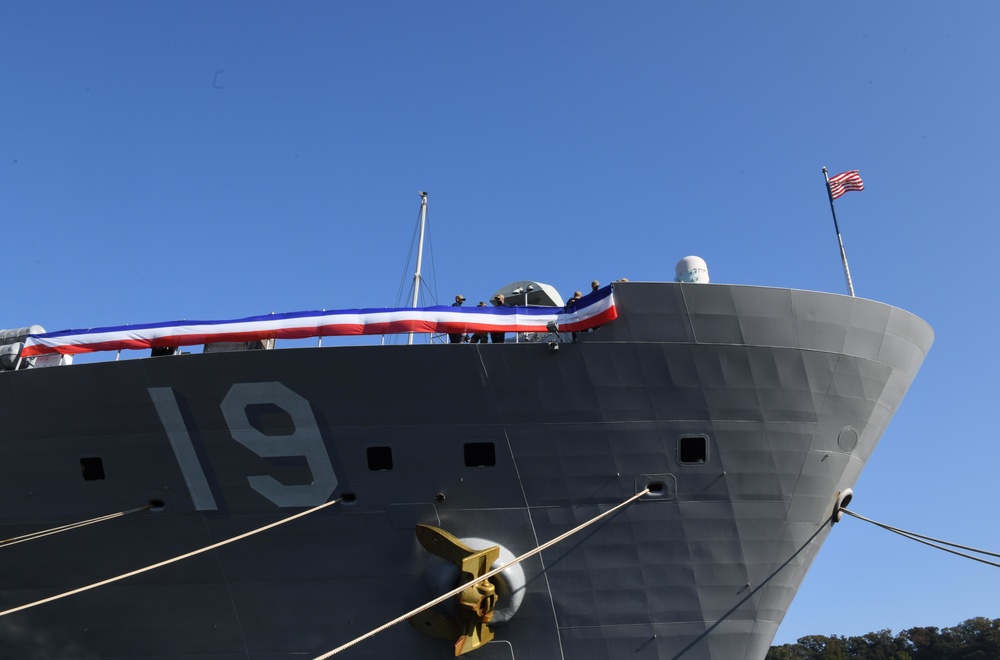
[{"x": 420, "y": 253}]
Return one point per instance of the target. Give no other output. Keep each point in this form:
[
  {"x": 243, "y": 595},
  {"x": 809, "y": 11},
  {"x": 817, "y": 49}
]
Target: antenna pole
[
  {"x": 840, "y": 241},
  {"x": 420, "y": 254}
]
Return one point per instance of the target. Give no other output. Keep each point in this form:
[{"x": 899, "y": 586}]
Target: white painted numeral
[{"x": 304, "y": 441}]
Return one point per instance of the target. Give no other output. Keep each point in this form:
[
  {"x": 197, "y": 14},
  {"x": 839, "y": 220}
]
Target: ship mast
[{"x": 420, "y": 254}]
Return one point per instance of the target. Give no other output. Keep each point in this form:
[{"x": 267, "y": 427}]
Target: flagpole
[{"x": 840, "y": 241}]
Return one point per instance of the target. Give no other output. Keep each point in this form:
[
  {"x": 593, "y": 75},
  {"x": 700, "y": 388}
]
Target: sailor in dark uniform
[
  {"x": 571, "y": 305},
  {"x": 498, "y": 337},
  {"x": 459, "y": 338},
  {"x": 479, "y": 337}
]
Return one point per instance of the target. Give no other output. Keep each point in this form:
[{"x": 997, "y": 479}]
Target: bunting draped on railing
[{"x": 589, "y": 312}]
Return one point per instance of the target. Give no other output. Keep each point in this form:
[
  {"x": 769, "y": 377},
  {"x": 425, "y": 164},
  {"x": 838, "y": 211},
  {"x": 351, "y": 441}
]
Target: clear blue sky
[{"x": 214, "y": 160}]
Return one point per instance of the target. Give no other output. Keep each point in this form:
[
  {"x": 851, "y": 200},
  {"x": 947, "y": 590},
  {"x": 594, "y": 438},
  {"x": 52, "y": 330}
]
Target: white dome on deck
[{"x": 691, "y": 269}]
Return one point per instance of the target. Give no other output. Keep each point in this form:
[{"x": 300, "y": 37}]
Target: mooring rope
[
  {"x": 65, "y": 528},
  {"x": 172, "y": 560},
  {"x": 486, "y": 576},
  {"x": 931, "y": 541}
]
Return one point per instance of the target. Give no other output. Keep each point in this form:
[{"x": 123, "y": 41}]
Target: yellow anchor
[{"x": 474, "y": 605}]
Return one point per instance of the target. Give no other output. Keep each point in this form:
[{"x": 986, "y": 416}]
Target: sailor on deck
[
  {"x": 459, "y": 338},
  {"x": 479, "y": 337},
  {"x": 571, "y": 303},
  {"x": 498, "y": 337}
]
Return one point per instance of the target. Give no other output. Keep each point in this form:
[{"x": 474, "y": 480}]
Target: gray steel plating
[{"x": 747, "y": 409}]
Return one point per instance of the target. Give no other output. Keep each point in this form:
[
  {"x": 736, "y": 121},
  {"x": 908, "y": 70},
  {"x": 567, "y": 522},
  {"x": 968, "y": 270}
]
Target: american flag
[{"x": 844, "y": 182}]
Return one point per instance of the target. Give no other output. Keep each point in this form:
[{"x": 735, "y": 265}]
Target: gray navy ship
[{"x": 741, "y": 416}]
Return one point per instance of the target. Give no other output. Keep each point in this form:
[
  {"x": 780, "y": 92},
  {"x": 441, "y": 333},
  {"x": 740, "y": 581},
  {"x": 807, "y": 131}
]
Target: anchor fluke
[{"x": 474, "y": 606}]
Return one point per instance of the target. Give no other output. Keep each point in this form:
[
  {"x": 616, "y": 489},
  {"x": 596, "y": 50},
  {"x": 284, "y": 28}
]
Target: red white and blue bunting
[{"x": 589, "y": 312}]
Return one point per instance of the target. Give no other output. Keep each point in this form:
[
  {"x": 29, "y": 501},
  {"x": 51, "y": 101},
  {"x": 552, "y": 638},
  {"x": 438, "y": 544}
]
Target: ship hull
[{"x": 516, "y": 443}]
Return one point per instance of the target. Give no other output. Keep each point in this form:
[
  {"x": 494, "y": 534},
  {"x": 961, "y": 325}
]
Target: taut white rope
[
  {"x": 460, "y": 589},
  {"x": 927, "y": 540},
  {"x": 65, "y": 528},
  {"x": 171, "y": 561}
]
